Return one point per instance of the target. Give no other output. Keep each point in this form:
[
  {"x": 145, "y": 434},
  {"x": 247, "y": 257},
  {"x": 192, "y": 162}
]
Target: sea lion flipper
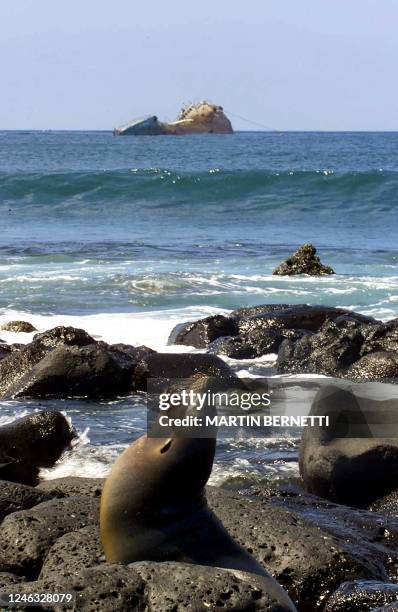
[{"x": 267, "y": 584}]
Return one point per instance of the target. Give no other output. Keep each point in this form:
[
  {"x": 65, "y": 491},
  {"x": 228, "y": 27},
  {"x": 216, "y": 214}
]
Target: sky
[{"x": 284, "y": 64}]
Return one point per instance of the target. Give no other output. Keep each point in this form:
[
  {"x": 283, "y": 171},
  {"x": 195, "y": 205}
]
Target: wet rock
[
  {"x": 269, "y": 342},
  {"x": 103, "y": 588},
  {"x": 179, "y": 366},
  {"x": 93, "y": 371},
  {"x": 359, "y": 529},
  {"x": 32, "y": 442},
  {"x": 382, "y": 337},
  {"x": 303, "y": 261},
  {"x": 20, "y": 362},
  {"x": 16, "y": 346},
  {"x": 260, "y": 309},
  {"x": 362, "y": 596},
  {"x": 263, "y": 329},
  {"x": 259, "y": 330},
  {"x": 311, "y": 318},
  {"x": 67, "y": 362},
  {"x": 331, "y": 351},
  {"x": 255, "y": 344},
  {"x": 387, "y": 505},
  {"x": 14, "y": 497},
  {"x": 359, "y": 319},
  {"x": 69, "y": 336},
  {"x": 179, "y": 586},
  {"x": 304, "y": 557},
  {"x": 9, "y": 580},
  {"x": 161, "y": 587},
  {"x": 344, "y": 462},
  {"x": 234, "y": 347},
  {"x": 19, "y": 326},
  {"x": 5, "y": 350},
  {"x": 72, "y": 486},
  {"x": 387, "y": 608},
  {"x": 135, "y": 353},
  {"x": 382, "y": 365},
  {"x": 201, "y": 333},
  {"x": 27, "y": 536},
  {"x": 72, "y": 552},
  {"x": 310, "y": 545}
]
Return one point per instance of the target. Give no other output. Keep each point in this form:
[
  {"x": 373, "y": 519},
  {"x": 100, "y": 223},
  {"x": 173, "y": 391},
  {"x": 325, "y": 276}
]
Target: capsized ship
[{"x": 200, "y": 118}]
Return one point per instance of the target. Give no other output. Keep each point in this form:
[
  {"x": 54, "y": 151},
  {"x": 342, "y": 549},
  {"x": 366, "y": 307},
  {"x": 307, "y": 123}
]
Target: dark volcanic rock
[
  {"x": 331, "y": 351},
  {"x": 135, "y": 353},
  {"x": 234, "y": 347},
  {"x": 9, "y": 580},
  {"x": 14, "y": 497},
  {"x": 363, "y": 533},
  {"x": 72, "y": 552},
  {"x": 382, "y": 337},
  {"x": 70, "y": 336},
  {"x": 179, "y": 366},
  {"x": 362, "y": 596},
  {"x": 382, "y": 365},
  {"x": 19, "y": 326},
  {"x": 160, "y": 587},
  {"x": 306, "y": 317},
  {"x": 269, "y": 341},
  {"x": 259, "y": 330},
  {"x": 27, "y": 536},
  {"x": 303, "y": 261},
  {"x": 255, "y": 344},
  {"x": 179, "y": 586},
  {"x": 343, "y": 462},
  {"x": 20, "y": 362},
  {"x": 32, "y": 442},
  {"x": 93, "y": 371},
  {"x": 260, "y": 309},
  {"x": 103, "y": 588},
  {"x": 201, "y": 333},
  {"x": 387, "y": 505},
  {"x": 67, "y": 362},
  {"x": 306, "y": 559},
  {"x": 5, "y": 350},
  {"x": 310, "y": 545},
  {"x": 72, "y": 486}
]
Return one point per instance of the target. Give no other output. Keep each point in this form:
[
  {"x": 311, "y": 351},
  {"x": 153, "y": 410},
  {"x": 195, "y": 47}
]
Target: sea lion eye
[{"x": 166, "y": 446}]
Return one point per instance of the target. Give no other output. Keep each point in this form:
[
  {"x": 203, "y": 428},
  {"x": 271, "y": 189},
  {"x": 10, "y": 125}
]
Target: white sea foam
[
  {"x": 150, "y": 328},
  {"x": 222, "y": 471},
  {"x": 85, "y": 461}
]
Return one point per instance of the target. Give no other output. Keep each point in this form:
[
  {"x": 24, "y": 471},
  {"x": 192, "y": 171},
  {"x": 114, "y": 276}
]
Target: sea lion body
[{"x": 153, "y": 507}]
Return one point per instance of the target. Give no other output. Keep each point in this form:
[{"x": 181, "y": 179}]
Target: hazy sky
[{"x": 288, "y": 64}]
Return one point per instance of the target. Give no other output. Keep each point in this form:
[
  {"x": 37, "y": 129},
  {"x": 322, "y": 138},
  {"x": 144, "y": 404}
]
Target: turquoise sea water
[{"x": 127, "y": 236}]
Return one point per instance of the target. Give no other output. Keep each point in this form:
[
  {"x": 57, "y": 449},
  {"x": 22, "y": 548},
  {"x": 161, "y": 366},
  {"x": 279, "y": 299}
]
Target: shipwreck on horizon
[{"x": 200, "y": 118}]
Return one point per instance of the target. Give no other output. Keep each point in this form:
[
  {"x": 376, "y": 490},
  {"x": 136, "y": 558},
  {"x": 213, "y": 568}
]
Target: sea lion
[{"x": 154, "y": 507}]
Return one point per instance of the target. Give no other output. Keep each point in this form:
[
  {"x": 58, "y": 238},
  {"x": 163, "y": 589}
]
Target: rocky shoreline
[
  {"x": 307, "y": 339},
  {"x": 330, "y": 540},
  {"x": 327, "y": 556},
  {"x": 65, "y": 362}
]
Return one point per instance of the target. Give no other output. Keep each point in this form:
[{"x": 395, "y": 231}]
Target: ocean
[{"x": 126, "y": 237}]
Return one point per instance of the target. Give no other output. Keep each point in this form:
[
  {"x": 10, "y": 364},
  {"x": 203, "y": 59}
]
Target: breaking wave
[{"x": 374, "y": 191}]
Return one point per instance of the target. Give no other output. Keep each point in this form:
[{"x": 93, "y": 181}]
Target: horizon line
[{"x": 270, "y": 131}]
